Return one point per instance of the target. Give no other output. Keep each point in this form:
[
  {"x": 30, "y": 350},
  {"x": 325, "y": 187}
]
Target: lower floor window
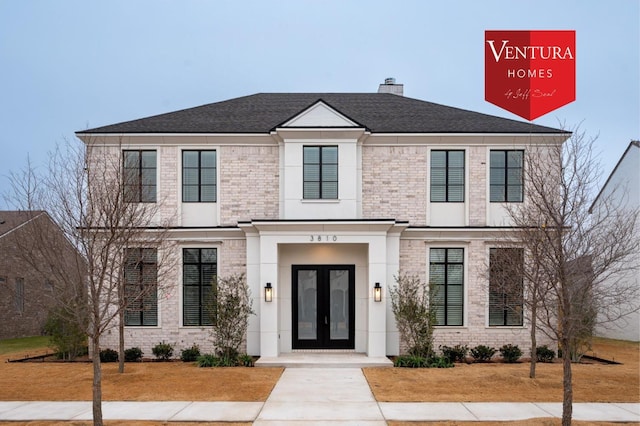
[
  {"x": 506, "y": 286},
  {"x": 199, "y": 270},
  {"x": 446, "y": 275},
  {"x": 141, "y": 287}
]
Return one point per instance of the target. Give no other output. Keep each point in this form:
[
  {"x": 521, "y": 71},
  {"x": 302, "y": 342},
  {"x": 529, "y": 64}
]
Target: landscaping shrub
[
  {"x": 456, "y": 353},
  {"x": 544, "y": 354},
  {"x": 67, "y": 338},
  {"x": 133, "y": 354},
  {"x": 211, "y": 360},
  {"x": 482, "y": 353},
  {"x": 190, "y": 354},
  {"x": 410, "y": 361},
  {"x": 416, "y": 361},
  {"x": 163, "y": 351},
  {"x": 108, "y": 355},
  {"x": 245, "y": 360},
  {"x": 510, "y": 353},
  {"x": 439, "y": 362},
  {"x": 208, "y": 360}
]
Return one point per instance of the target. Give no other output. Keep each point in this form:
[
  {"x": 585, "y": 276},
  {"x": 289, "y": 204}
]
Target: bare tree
[
  {"x": 570, "y": 251},
  {"x": 229, "y": 307},
  {"x": 518, "y": 283},
  {"x": 413, "y": 303},
  {"x": 106, "y": 208}
]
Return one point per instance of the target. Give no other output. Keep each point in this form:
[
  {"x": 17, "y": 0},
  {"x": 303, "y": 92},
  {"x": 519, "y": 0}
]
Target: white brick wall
[
  {"x": 477, "y": 164},
  {"x": 475, "y": 331},
  {"x": 249, "y": 183},
  {"x": 231, "y": 260},
  {"x": 394, "y": 183}
]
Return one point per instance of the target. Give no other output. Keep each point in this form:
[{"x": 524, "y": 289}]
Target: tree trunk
[
  {"x": 567, "y": 387},
  {"x": 534, "y": 343},
  {"x": 97, "y": 381},
  {"x": 121, "y": 341}
]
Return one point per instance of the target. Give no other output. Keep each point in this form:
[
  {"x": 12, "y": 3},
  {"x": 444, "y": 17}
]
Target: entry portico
[{"x": 330, "y": 253}]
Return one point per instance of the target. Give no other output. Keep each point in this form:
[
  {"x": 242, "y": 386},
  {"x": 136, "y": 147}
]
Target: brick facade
[
  {"x": 231, "y": 260},
  {"x": 24, "y": 310},
  {"x": 388, "y": 190},
  {"x": 249, "y": 183},
  {"x": 386, "y": 176}
]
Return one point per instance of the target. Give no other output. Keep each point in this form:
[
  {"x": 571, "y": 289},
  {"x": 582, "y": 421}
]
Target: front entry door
[{"x": 323, "y": 306}]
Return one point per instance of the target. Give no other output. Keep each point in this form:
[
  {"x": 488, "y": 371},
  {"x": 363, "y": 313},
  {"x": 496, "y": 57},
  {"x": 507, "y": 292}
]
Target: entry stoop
[{"x": 323, "y": 359}]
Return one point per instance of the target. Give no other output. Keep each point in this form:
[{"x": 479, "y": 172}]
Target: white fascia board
[
  {"x": 457, "y": 234},
  {"x": 463, "y": 139},
  {"x": 475, "y": 134},
  {"x": 355, "y": 227}
]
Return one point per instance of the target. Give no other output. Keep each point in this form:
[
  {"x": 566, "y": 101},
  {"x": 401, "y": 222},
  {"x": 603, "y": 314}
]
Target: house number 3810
[{"x": 320, "y": 238}]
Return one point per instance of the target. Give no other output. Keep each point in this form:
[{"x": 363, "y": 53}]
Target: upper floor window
[
  {"x": 199, "y": 176},
  {"x": 140, "y": 176},
  {"x": 140, "y": 287},
  {"x": 446, "y": 273},
  {"x": 506, "y": 181},
  {"x": 320, "y": 165},
  {"x": 199, "y": 269},
  {"x": 506, "y": 286},
  {"x": 447, "y": 176}
]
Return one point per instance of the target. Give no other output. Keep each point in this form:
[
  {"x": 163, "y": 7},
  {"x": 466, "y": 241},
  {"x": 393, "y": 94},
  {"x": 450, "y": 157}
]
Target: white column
[
  {"x": 376, "y": 342},
  {"x": 269, "y": 339},
  {"x": 253, "y": 281},
  {"x": 393, "y": 269}
]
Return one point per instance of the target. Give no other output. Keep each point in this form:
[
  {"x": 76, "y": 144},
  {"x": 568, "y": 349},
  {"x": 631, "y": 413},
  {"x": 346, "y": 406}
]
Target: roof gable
[
  {"x": 13, "y": 219},
  {"x": 320, "y": 115}
]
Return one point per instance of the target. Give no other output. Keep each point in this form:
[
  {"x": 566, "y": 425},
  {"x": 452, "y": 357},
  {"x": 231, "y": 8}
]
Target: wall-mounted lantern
[
  {"x": 268, "y": 293},
  {"x": 377, "y": 293}
]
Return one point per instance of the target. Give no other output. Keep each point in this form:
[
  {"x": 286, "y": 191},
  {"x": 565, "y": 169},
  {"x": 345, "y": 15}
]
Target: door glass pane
[
  {"x": 307, "y": 304},
  {"x": 339, "y": 302}
]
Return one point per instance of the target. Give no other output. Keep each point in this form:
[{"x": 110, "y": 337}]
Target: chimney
[{"x": 390, "y": 86}]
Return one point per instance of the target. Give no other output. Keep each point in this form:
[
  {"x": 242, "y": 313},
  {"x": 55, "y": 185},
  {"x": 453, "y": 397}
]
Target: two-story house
[{"x": 322, "y": 199}]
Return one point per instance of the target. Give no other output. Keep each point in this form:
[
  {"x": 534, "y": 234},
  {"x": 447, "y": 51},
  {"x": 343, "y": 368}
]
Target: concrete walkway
[{"x": 315, "y": 396}]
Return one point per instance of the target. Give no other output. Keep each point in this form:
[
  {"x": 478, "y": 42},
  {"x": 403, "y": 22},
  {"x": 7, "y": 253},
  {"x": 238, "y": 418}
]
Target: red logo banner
[{"x": 530, "y": 73}]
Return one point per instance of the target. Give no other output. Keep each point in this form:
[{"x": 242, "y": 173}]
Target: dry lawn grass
[
  {"x": 146, "y": 381},
  {"x": 511, "y": 383},
  {"x": 477, "y": 382}
]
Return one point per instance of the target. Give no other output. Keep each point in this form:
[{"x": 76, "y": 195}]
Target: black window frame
[
  {"x": 200, "y": 168},
  {"x": 321, "y": 164},
  {"x": 139, "y": 191},
  {"x": 506, "y": 278},
  {"x": 441, "y": 301},
  {"x": 447, "y": 185},
  {"x": 142, "y": 311},
  {"x": 204, "y": 318},
  {"x": 506, "y": 198}
]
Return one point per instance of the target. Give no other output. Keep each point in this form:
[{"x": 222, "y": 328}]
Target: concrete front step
[{"x": 323, "y": 359}]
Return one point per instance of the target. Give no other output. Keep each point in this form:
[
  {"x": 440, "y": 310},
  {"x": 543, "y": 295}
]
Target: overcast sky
[{"x": 70, "y": 65}]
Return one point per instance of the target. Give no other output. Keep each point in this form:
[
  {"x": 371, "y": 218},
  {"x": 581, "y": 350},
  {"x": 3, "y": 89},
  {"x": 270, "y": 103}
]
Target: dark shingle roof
[{"x": 378, "y": 112}]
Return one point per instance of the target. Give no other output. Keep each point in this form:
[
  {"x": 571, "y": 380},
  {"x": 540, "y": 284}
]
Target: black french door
[{"x": 323, "y": 306}]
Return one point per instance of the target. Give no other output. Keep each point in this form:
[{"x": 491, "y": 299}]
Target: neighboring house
[
  {"x": 26, "y": 294},
  {"x": 323, "y": 197},
  {"x": 623, "y": 188}
]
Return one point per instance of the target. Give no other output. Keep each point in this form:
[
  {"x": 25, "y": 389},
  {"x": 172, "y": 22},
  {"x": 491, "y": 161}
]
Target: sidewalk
[{"x": 315, "y": 396}]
